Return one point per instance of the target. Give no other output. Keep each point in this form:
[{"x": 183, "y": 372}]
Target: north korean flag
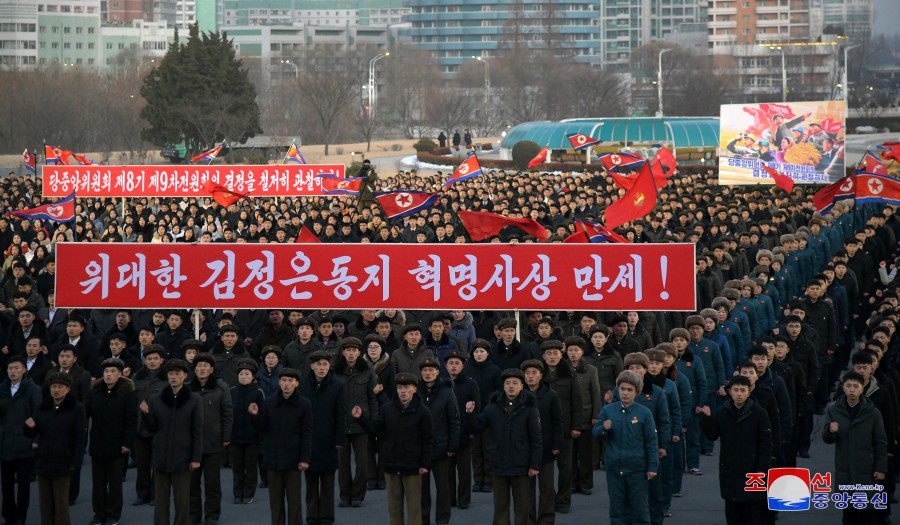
[
  {"x": 468, "y": 169},
  {"x": 403, "y": 203},
  {"x": 334, "y": 185},
  {"x": 870, "y": 163},
  {"x": 580, "y": 141},
  {"x": 51, "y": 154},
  {"x": 621, "y": 162},
  {"x": 62, "y": 210},
  {"x": 30, "y": 160},
  {"x": 844, "y": 189},
  {"x": 872, "y": 188},
  {"x": 589, "y": 231}
]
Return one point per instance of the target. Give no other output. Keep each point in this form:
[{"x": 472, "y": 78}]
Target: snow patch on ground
[{"x": 412, "y": 160}]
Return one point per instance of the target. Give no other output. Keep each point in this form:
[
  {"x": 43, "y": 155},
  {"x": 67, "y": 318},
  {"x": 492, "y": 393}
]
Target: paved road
[{"x": 701, "y": 504}]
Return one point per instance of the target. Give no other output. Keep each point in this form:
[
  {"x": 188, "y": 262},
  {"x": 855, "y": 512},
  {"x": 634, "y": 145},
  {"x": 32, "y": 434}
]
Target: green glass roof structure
[{"x": 681, "y": 132}]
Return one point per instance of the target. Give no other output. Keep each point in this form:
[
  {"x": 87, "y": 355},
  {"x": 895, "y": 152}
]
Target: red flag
[
  {"x": 621, "y": 161},
  {"x": 872, "y": 164},
  {"x": 306, "y": 236},
  {"x": 638, "y": 202},
  {"x": 209, "y": 154},
  {"x": 51, "y": 154},
  {"x": 665, "y": 157},
  {"x": 542, "y": 157},
  {"x": 482, "y": 224},
  {"x": 62, "y": 210},
  {"x": 893, "y": 153},
  {"x": 781, "y": 180},
  {"x": 30, "y": 160},
  {"x": 468, "y": 169},
  {"x": 221, "y": 194},
  {"x": 334, "y": 185},
  {"x": 774, "y": 109},
  {"x": 83, "y": 160},
  {"x": 844, "y": 189},
  {"x": 588, "y": 231},
  {"x": 877, "y": 189},
  {"x": 403, "y": 203},
  {"x": 626, "y": 182},
  {"x": 832, "y": 126},
  {"x": 580, "y": 141}
]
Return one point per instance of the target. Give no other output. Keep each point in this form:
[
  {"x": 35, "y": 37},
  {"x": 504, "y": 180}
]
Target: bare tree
[
  {"x": 596, "y": 93},
  {"x": 404, "y": 94},
  {"x": 366, "y": 123},
  {"x": 448, "y": 108},
  {"x": 329, "y": 96}
]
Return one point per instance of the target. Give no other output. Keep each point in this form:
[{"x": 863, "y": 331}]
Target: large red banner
[
  {"x": 282, "y": 180},
  {"x": 413, "y": 276}
]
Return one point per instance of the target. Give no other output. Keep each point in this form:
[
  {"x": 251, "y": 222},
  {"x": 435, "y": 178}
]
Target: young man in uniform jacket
[
  {"x": 175, "y": 418},
  {"x": 218, "y": 422},
  {"x": 297, "y": 352},
  {"x": 691, "y": 367},
  {"x": 657, "y": 376},
  {"x": 385, "y": 390},
  {"x": 710, "y": 353},
  {"x": 57, "y": 428},
  {"x": 508, "y": 352},
  {"x": 632, "y": 452},
  {"x": 465, "y": 389},
  {"x": 742, "y": 428},
  {"x": 148, "y": 381},
  {"x": 792, "y": 373},
  {"x": 412, "y": 351},
  {"x": 244, "y": 449},
  {"x": 782, "y": 426},
  {"x": 285, "y": 421},
  {"x": 804, "y": 353},
  {"x": 861, "y": 453},
  {"x": 19, "y": 398},
  {"x": 514, "y": 422},
  {"x": 359, "y": 389},
  {"x": 81, "y": 385},
  {"x": 562, "y": 379},
  {"x": 551, "y": 441},
  {"x": 764, "y": 397},
  {"x": 437, "y": 395},
  {"x": 327, "y": 395},
  {"x": 654, "y": 399},
  {"x": 112, "y": 407},
  {"x": 405, "y": 425},
  {"x": 227, "y": 353},
  {"x": 481, "y": 369}
]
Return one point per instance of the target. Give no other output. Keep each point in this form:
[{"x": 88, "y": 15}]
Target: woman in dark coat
[
  {"x": 483, "y": 371},
  {"x": 385, "y": 390}
]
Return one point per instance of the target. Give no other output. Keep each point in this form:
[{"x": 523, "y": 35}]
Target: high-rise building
[
  {"x": 753, "y": 22},
  {"x": 628, "y": 24},
  {"x": 336, "y": 13},
  {"x": 456, "y": 30},
  {"x": 852, "y": 18}
]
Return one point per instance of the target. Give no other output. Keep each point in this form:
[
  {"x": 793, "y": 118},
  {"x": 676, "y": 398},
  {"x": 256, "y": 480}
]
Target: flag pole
[{"x": 284, "y": 157}]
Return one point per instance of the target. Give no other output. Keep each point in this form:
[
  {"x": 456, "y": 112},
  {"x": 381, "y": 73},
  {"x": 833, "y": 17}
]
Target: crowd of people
[{"x": 797, "y": 314}]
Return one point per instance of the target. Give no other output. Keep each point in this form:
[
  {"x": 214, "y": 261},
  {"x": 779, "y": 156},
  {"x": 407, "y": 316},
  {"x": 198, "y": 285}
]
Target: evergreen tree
[{"x": 200, "y": 93}]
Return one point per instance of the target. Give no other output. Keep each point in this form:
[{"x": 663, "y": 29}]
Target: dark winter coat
[
  {"x": 176, "y": 422},
  {"x": 146, "y": 384},
  {"x": 269, "y": 335},
  {"x": 487, "y": 375},
  {"x": 330, "y": 414},
  {"x": 691, "y": 368},
  {"x": 591, "y": 398},
  {"x": 441, "y": 403},
  {"x": 286, "y": 426},
  {"x": 609, "y": 365},
  {"x": 384, "y": 373},
  {"x": 244, "y": 432},
  {"x": 862, "y": 445},
  {"x": 218, "y": 412},
  {"x": 406, "y": 432},
  {"x": 508, "y": 356},
  {"x": 408, "y": 360},
  {"x": 268, "y": 380},
  {"x": 359, "y": 389},
  {"x": 465, "y": 389},
  {"x": 81, "y": 380},
  {"x": 114, "y": 418},
  {"x": 227, "y": 361},
  {"x": 296, "y": 354},
  {"x": 60, "y": 434},
  {"x": 40, "y": 368},
  {"x": 551, "y": 421},
  {"x": 516, "y": 437},
  {"x": 746, "y": 441},
  {"x": 565, "y": 384},
  {"x": 14, "y": 410}
]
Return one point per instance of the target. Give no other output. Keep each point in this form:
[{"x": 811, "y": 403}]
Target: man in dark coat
[
  {"x": 486, "y": 375},
  {"x": 36, "y": 361},
  {"x": 508, "y": 352},
  {"x": 551, "y": 441},
  {"x": 218, "y": 421},
  {"x": 743, "y": 428},
  {"x": 405, "y": 425},
  {"x": 412, "y": 351},
  {"x": 285, "y": 420},
  {"x": 58, "y": 430},
  {"x": 514, "y": 423},
  {"x": 562, "y": 379},
  {"x": 112, "y": 407},
  {"x": 297, "y": 352},
  {"x": 244, "y": 449},
  {"x": 437, "y": 394},
  {"x": 327, "y": 395},
  {"x": 359, "y": 389},
  {"x": 803, "y": 353},
  {"x": 275, "y": 332},
  {"x": 173, "y": 334},
  {"x": 465, "y": 389},
  {"x": 855, "y": 426},
  {"x": 19, "y": 398},
  {"x": 81, "y": 385},
  {"x": 148, "y": 381},
  {"x": 227, "y": 353},
  {"x": 87, "y": 349},
  {"x": 175, "y": 418}
]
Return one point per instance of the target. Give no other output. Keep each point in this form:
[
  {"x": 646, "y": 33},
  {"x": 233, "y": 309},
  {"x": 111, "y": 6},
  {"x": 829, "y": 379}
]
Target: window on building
[{"x": 78, "y": 45}]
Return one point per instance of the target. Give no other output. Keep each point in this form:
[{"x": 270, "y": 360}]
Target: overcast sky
[{"x": 887, "y": 17}]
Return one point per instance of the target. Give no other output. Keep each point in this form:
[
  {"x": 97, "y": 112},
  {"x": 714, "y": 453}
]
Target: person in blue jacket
[
  {"x": 656, "y": 375},
  {"x": 632, "y": 452},
  {"x": 691, "y": 366},
  {"x": 712, "y": 332},
  {"x": 739, "y": 317},
  {"x": 709, "y": 353},
  {"x": 729, "y": 330}
]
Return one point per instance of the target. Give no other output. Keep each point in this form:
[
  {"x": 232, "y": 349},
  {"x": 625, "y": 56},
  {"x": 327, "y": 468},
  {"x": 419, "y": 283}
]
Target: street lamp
[
  {"x": 659, "y": 82},
  {"x": 293, "y": 65},
  {"x": 373, "y": 93},
  {"x": 846, "y": 86},
  {"x": 783, "y": 73},
  {"x": 487, "y": 80}
]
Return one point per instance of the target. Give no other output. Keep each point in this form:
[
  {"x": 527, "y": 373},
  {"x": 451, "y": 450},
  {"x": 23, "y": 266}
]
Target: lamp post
[
  {"x": 783, "y": 73},
  {"x": 487, "y": 80},
  {"x": 293, "y": 65},
  {"x": 846, "y": 85},
  {"x": 373, "y": 94},
  {"x": 659, "y": 82}
]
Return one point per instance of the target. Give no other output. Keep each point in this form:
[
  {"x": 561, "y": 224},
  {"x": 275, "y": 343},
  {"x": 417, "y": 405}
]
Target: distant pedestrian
[
  {"x": 442, "y": 140},
  {"x": 175, "y": 418},
  {"x": 58, "y": 427},
  {"x": 285, "y": 420},
  {"x": 467, "y": 137},
  {"x": 457, "y": 139},
  {"x": 405, "y": 426}
]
